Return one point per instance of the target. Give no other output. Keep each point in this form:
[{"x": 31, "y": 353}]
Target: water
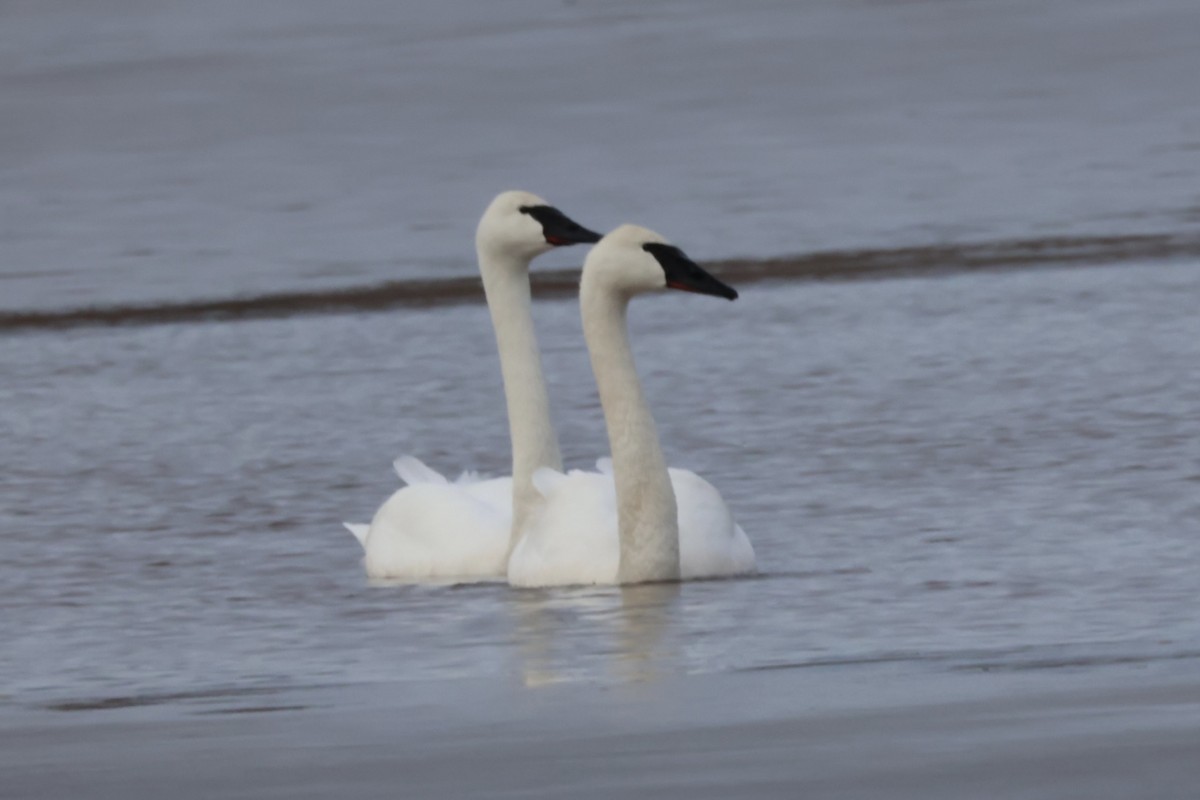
[
  {"x": 162, "y": 150},
  {"x": 968, "y": 471},
  {"x": 993, "y": 470},
  {"x": 973, "y": 486}
]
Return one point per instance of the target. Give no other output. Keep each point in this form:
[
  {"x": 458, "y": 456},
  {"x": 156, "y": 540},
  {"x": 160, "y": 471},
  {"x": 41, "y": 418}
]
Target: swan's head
[
  {"x": 523, "y": 226},
  {"x": 633, "y": 260}
]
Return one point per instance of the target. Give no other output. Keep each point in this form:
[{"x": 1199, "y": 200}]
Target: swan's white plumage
[
  {"x": 711, "y": 544},
  {"x": 433, "y": 529},
  {"x": 572, "y": 538},
  {"x": 634, "y": 519},
  {"x": 437, "y": 529},
  {"x": 441, "y": 531},
  {"x": 413, "y": 470}
]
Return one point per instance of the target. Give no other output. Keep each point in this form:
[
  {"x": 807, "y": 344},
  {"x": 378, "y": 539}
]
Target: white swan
[
  {"x": 642, "y": 522},
  {"x": 437, "y": 529}
]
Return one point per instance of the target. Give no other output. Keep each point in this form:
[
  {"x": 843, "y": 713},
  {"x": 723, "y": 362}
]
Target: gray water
[
  {"x": 974, "y": 471},
  {"x": 155, "y": 150},
  {"x": 986, "y": 470}
]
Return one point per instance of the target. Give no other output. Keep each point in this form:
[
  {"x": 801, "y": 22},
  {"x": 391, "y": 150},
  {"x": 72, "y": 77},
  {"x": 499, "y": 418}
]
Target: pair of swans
[{"x": 631, "y": 521}]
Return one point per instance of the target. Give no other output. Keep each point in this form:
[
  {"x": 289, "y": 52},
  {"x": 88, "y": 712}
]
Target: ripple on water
[{"x": 929, "y": 469}]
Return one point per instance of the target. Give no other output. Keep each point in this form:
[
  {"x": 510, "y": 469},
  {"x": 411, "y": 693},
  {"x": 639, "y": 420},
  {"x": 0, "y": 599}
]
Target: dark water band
[{"x": 843, "y": 265}]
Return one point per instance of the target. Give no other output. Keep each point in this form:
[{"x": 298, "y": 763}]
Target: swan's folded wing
[
  {"x": 496, "y": 492},
  {"x": 572, "y": 537},
  {"x": 436, "y": 531},
  {"x": 711, "y": 543},
  {"x": 413, "y": 470}
]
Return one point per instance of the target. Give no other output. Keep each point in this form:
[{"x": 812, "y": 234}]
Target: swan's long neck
[
  {"x": 646, "y": 511},
  {"x": 534, "y": 444}
]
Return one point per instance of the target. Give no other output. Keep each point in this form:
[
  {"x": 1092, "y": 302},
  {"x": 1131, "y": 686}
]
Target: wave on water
[
  {"x": 842, "y": 265},
  {"x": 1045, "y": 657}
]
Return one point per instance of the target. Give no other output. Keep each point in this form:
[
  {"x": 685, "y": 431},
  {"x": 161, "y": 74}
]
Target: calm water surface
[
  {"x": 159, "y": 150},
  {"x": 984, "y": 469}
]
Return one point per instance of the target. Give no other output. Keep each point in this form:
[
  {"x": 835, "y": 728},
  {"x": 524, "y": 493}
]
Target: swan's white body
[
  {"x": 437, "y": 529},
  {"x": 434, "y": 529},
  {"x": 642, "y": 522},
  {"x": 573, "y": 539}
]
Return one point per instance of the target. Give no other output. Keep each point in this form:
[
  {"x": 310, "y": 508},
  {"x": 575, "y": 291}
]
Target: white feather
[
  {"x": 413, "y": 470},
  {"x": 441, "y": 530},
  {"x": 359, "y": 530}
]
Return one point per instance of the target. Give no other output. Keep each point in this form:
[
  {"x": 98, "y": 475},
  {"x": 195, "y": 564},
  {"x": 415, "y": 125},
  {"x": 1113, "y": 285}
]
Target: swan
[
  {"x": 633, "y": 520},
  {"x": 435, "y": 528}
]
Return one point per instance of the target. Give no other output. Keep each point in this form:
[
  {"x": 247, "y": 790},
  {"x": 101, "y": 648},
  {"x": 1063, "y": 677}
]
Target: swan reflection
[{"x": 614, "y": 634}]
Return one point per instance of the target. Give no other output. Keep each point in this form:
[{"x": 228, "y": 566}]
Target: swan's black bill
[
  {"x": 686, "y": 275},
  {"x": 558, "y": 228}
]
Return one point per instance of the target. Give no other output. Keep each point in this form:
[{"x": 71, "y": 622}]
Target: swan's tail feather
[
  {"x": 469, "y": 476},
  {"x": 546, "y": 480},
  {"x": 604, "y": 465},
  {"x": 359, "y": 531},
  {"x": 413, "y": 470}
]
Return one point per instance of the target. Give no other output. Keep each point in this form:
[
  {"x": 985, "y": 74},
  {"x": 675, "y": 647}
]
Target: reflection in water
[
  {"x": 642, "y": 625},
  {"x": 624, "y": 627}
]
